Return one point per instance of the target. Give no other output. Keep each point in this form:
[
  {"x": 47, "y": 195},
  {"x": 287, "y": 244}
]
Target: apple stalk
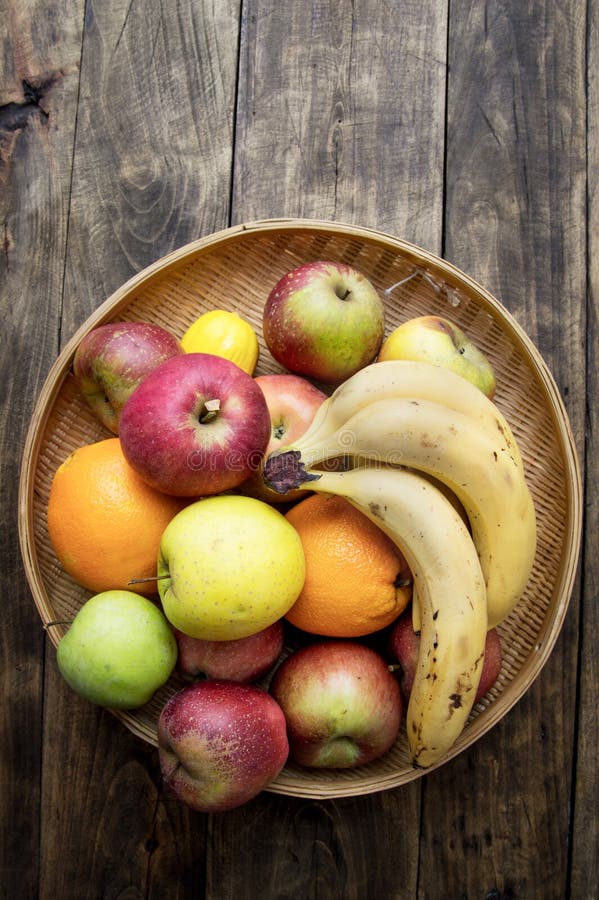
[
  {"x": 209, "y": 411},
  {"x": 148, "y": 578}
]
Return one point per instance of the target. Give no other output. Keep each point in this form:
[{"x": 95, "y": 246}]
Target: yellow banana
[
  {"x": 412, "y": 380},
  {"x": 451, "y": 593},
  {"x": 452, "y": 447}
]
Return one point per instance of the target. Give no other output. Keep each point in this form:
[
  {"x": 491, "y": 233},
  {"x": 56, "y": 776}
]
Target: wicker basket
[{"x": 235, "y": 269}]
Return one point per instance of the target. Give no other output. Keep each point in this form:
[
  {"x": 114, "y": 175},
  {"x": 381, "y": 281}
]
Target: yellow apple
[
  {"x": 441, "y": 342},
  {"x": 229, "y": 566}
]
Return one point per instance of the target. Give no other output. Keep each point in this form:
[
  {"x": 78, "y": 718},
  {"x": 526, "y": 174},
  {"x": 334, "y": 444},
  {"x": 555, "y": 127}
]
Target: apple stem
[
  {"x": 343, "y": 293},
  {"x": 148, "y": 578},
  {"x": 285, "y": 471},
  {"x": 209, "y": 411}
]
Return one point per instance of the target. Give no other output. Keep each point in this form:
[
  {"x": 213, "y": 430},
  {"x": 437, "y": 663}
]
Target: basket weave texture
[{"x": 235, "y": 270}]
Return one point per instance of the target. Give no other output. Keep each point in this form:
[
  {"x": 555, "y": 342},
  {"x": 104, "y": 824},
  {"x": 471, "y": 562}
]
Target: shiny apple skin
[{"x": 175, "y": 446}]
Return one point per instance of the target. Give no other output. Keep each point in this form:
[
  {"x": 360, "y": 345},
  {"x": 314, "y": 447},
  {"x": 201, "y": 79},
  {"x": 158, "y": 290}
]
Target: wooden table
[{"x": 128, "y": 129}]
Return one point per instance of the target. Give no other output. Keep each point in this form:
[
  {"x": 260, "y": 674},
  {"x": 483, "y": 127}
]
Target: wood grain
[
  {"x": 128, "y": 129},
  {"x": 38, "y": 101},
  {"x": 152, "y": 158},
  {"x": 329, "y": 122},
  {"x": 585, "y": 830}
]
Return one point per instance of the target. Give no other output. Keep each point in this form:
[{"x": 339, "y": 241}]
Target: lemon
[
  {"x": 229, "y": 566},
  {"x": 225, "y": 334}
]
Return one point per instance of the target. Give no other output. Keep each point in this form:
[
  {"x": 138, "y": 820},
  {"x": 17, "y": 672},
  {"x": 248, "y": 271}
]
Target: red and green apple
[
  {"x": 292, "y": 404},
  {"x": 342, "y": 704},
  {"x": 323, "y": 320},
  {"x": 245, "y": 659},
  {"x": 404, "y": 645},
  {"x": 112, "y": 359},
  {"x": 437, "y": 340}
]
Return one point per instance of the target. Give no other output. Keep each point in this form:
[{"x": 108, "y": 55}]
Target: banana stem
[{"x": 286, "y": 471}]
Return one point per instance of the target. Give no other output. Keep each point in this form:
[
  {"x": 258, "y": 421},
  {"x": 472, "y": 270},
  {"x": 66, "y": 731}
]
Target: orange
[
  {"x": 355, "y": 575},
  {"x": 104, "y": 522}
]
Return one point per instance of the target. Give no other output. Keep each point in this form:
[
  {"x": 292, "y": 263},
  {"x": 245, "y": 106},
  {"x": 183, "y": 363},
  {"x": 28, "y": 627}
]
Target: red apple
[
  {"x": 220, "y": 743},
  {"x": 244, "y": 660},
  {"x": 196, "y": 425},
  {"x": 324, "y": 320},
  {"x": 342, "y": 704},
  {"x": 292, "y": 403},
  {"x": 404, "y": 644},
  {"x": 491, "y": 664},
  {"x": 112, "y": 359}
]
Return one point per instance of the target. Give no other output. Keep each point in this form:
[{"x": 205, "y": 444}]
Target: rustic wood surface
[{"x": 128, "y": 129}]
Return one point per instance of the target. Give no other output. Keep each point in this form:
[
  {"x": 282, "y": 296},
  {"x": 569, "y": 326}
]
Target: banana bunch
[{"x": 405, "y": 430}]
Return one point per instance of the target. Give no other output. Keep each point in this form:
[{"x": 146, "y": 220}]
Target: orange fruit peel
[
  {"x": 104, "y": 522},
  {"x": 357, "y": 581}
]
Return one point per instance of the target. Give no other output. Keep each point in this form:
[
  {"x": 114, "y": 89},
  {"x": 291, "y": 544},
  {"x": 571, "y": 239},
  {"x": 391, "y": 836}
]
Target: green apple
[
  {"x": 229, "y": 566},
  {"x": 437, "y": 340},
  {"x": 118, "y": 650}
]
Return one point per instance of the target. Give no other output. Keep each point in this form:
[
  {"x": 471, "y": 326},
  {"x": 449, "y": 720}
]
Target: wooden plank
[
  {"x": 331, "y": 122},
  {"x": 152, "y": 169},
  {"x": 497, "y": 819},
  {"x": 38, "y": 91},
  {"x": 106, "y": 829},
  {"x": 345, "y": 849},
  {"x": 585, "y": 823},
  {"x": 330, "y": 125}
]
